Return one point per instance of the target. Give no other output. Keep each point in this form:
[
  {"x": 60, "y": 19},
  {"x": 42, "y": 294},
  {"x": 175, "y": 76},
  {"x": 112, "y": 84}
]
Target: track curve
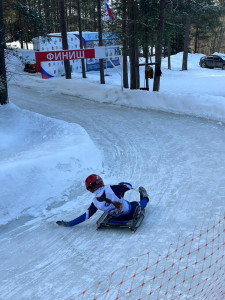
[{"x": 178, "y": 159}]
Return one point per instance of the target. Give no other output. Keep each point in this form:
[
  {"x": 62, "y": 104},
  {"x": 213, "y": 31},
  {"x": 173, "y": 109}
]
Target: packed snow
[
  {"x": 43, "y": 153},
  {"x": 56, "y": 132}
]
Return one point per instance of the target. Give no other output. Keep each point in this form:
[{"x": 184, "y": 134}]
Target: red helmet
[{"x": 93, "y": 182}]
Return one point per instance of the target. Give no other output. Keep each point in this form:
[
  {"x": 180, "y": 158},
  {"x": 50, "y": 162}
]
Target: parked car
[{"x": 212, "y": 61}]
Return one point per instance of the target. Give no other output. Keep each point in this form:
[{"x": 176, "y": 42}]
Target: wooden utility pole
[
  {"x": 100, "y": 41},
  {"x": 3, "y": 77}
]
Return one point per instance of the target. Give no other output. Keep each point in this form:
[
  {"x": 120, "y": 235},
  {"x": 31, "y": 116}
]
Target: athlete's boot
[{"x": 143, "y": 193}]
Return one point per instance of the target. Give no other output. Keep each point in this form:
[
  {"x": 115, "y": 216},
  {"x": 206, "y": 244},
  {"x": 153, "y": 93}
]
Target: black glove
[{"x": 62, "y": 223}]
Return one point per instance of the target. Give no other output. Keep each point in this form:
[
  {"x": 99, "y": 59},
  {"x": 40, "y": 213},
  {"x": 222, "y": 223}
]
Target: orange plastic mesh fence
[{"x": 192, "y": 269}]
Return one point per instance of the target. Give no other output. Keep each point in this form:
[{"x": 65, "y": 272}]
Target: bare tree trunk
[
  {"x": 136, "y": 46},
  {"x": 221, "y": 37},
  {"x": 169, "y": 39},
  {"x": 196, "y": 40},
  {"x": 64, "y": 37},
  {"x": 81, "y": 38},
  {"x": 146, "y": 62},
  {"x": 101, "y": 63},
  {"x": 169, "y": 54},
  {"x": 133, "y": 46},
  {"x": 158, "y": 53},
  {"x": 186, "y": 42},
  {"x": 213, "y": 45},
  {"x": 3, "y": 78},
  {"x": 124, "y": 30},
  {"x": 146, "y": 47},
  {"x": 136, "y": 50},
  {"x": 20, "y": 31}
]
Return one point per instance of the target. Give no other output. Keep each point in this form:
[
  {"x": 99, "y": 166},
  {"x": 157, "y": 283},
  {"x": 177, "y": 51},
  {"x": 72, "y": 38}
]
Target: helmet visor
[{"x": 93, "y": 185}]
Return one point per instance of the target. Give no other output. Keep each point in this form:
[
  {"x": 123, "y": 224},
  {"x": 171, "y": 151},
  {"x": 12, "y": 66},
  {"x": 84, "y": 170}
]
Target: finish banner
[{"x": 64, "y": 55}]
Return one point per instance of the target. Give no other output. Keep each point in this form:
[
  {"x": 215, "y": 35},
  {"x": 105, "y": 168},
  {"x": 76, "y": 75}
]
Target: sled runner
[{"x": 108, "y": 221}]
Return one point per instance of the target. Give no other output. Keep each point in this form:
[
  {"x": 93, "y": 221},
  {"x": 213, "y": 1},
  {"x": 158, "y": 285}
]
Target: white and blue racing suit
[{"x": 115, "y": 193}]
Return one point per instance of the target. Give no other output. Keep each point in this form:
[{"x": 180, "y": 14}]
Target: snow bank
[
  {"x": 197, "y": 92},
  {"x": 40, "y": 158}
]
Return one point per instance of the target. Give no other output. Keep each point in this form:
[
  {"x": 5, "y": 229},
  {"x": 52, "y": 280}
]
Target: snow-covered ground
[
  {"x": 44, "y": 153},
  {"x": 56, "y": 132}
]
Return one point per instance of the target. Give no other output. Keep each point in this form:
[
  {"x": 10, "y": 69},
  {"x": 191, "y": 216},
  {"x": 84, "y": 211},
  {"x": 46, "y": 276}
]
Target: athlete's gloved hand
[
  {"x": 62, "y": 223},
  {"x": 117, "y": 204}
]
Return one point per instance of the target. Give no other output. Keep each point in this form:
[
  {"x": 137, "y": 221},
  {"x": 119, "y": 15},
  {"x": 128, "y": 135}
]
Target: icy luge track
[
  {"x": 141, "y": 146},
  {"x": 130, "y": 138},
  {"x": 31, "y": 274},
  {"x": 174, "y": 157}
]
